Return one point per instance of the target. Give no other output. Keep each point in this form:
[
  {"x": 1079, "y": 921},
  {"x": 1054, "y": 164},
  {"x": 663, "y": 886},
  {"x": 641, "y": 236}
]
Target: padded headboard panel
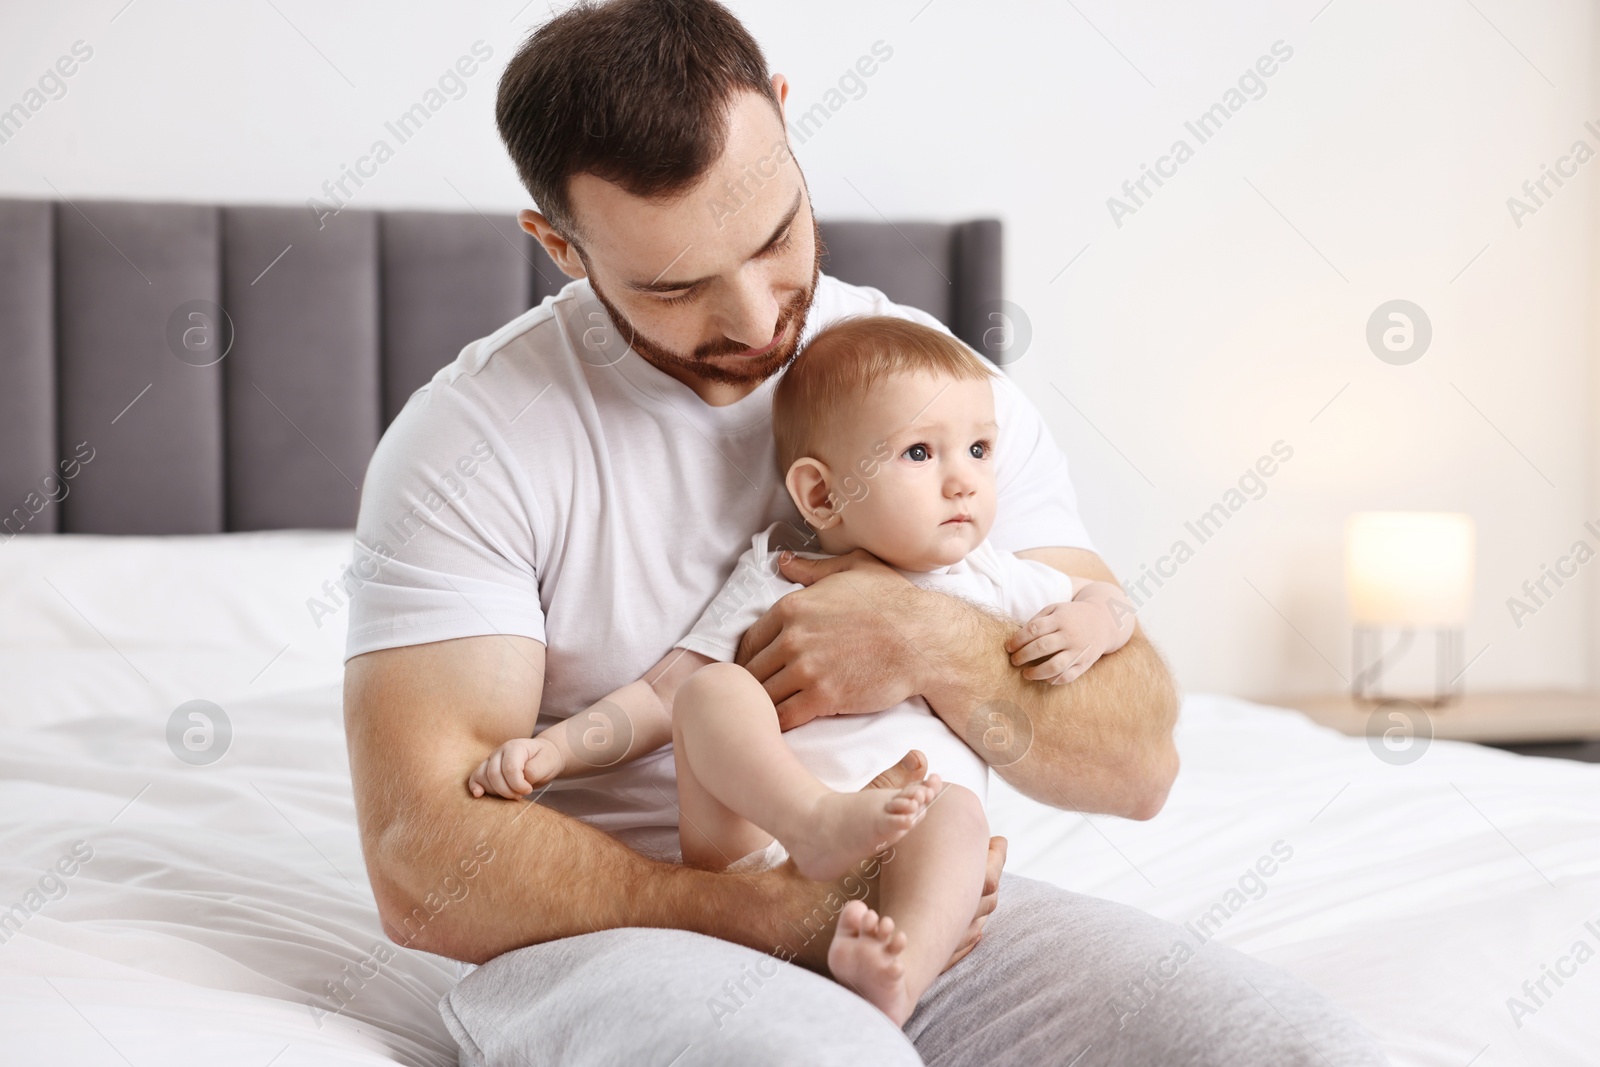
[{"x": 105, "y": 429}]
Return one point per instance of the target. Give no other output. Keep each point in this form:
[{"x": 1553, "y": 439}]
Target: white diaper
[{"x": 762, "y": 859}]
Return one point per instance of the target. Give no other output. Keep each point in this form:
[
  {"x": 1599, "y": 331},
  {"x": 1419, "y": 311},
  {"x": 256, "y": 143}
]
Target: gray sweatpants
[{"x": 1058, "y": 979}]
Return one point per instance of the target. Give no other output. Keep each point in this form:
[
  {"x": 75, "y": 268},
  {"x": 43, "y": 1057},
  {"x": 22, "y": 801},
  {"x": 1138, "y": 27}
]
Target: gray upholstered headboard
[{"x": 332, "y": 329}]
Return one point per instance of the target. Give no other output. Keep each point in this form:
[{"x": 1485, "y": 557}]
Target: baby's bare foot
[
  {"x": 845, "y": 827},
  {"x": 865, "y": 957}
]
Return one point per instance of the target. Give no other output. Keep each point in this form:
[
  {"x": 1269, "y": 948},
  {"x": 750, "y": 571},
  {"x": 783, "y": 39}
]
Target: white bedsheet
[
  {"x": 221, "y": 899},
  {"x": 1420, "y": 897}
]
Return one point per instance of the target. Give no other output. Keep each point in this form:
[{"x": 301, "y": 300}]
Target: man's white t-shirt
[{"x": 551, "y": 483}]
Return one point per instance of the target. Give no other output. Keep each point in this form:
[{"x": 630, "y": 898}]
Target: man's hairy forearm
[
  {"x": 539, "y": 876},
  {"x": 469, "y": 877},
  {"x": 1100, "y": 743}
]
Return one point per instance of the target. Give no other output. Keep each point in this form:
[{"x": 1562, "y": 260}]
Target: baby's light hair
[{"x": 843, "y": 361}]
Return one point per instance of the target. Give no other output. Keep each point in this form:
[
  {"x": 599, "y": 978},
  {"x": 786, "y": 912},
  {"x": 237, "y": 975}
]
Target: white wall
[{"x": 1172, "y": 353}]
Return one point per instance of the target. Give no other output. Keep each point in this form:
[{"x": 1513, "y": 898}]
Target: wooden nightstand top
[{"x": 1531, "y": 715}]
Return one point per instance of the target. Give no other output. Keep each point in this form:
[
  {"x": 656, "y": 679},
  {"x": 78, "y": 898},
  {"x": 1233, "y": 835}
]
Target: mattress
[{"x": 186, "y": 890}]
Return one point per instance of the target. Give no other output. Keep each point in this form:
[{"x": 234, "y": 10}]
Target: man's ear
[
  {"x": 780, "y": 85},
  {"x": 807, "y": 482},
  {"x": 560, "y": 250}
]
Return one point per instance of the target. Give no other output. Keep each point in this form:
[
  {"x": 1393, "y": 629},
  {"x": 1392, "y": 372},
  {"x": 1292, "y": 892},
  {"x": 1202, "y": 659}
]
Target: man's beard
[{"x": 750, "y": 370}]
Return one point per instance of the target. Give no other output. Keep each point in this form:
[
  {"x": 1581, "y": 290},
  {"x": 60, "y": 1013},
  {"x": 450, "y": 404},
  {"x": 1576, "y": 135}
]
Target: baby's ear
[{"x": 807, "y": 482}]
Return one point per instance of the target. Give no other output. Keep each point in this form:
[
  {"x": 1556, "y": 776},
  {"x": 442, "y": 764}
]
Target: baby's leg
[
  {"x": 928, "y": 891},
  {"x": 725, "y": 732},
  {"x": 711, "y": 835}
]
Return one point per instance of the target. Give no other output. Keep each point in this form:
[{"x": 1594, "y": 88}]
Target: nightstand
[{"x": 1535, "y": 722}]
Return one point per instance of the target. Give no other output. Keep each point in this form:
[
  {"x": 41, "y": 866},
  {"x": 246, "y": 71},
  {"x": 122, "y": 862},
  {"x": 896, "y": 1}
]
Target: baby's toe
[{"x": 852, "y": 919}]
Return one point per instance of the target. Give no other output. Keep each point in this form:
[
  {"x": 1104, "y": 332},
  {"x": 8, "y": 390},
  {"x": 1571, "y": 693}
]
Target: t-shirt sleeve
[
  {"x": 1027, "y": 586},
  {"x": 1036, "y": 504},
  {"x": 753, "y": 587},
  {"x": 444, "y": 539}
]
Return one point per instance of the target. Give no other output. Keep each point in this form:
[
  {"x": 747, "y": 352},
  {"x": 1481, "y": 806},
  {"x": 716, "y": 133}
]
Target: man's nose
[{"x": 750, "y": 314}]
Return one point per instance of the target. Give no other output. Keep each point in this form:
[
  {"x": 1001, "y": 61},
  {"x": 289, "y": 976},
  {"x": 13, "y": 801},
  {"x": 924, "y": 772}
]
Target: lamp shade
[{"x": 1409, "y": 568}]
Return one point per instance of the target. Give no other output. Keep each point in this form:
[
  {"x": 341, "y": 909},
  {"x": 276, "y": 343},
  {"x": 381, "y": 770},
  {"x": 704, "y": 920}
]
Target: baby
[{"x": 886, "y": 434}]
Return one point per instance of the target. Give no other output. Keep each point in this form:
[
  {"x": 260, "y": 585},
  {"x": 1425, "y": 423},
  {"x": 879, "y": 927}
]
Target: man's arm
[
  {"x": 419, "y": 718},
  {"x": 862, "y": 638},
  {"x": 1125, "y": 705}
]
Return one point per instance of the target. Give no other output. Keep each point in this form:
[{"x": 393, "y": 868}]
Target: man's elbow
[
  {"x": 427, "y": 919},
  {"x": 1154, "y": 762},
  {"x": 1153, "y": 780},
  {"x": 427, "y": 924}
]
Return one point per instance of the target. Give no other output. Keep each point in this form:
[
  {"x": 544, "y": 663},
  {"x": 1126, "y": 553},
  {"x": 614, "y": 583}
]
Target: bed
[{"x": 180, "y": 875}]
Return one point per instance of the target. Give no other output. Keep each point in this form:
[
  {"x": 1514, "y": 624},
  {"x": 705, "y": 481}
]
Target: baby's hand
[
  {"x": 1065, "y": 639},
  {"x": 516, "y": 768}
]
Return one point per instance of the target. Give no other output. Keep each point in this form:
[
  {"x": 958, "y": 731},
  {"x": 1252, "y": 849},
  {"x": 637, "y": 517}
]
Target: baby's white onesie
[{"x": 846, "y": 752}]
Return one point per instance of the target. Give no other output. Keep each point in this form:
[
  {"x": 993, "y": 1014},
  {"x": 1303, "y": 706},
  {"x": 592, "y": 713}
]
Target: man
[{"x": 553, "y": 511}]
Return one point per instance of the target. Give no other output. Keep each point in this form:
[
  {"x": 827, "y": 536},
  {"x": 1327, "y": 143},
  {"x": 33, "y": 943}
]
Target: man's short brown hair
[
  {"x": 844, "y": 360},
  {"x": 636, "y": 92}
]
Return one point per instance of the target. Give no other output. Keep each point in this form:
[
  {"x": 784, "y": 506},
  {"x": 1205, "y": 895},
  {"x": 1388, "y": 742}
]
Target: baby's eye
[
  {"x": 980, "y": 449},
  {"x": 917, "y": 453}
]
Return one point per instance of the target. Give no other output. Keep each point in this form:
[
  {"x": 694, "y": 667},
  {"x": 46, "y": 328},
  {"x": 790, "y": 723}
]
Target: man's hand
[{"x": 821, "y": 650}]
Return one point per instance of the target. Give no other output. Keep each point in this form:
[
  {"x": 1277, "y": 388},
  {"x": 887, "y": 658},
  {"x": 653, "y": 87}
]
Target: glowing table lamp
[{"x": 1408, "y": 572}]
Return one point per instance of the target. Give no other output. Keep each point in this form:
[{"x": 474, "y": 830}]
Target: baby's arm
[
  {"x": 619, "y": 728},
  {"x": 1063, "y": 640}
]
